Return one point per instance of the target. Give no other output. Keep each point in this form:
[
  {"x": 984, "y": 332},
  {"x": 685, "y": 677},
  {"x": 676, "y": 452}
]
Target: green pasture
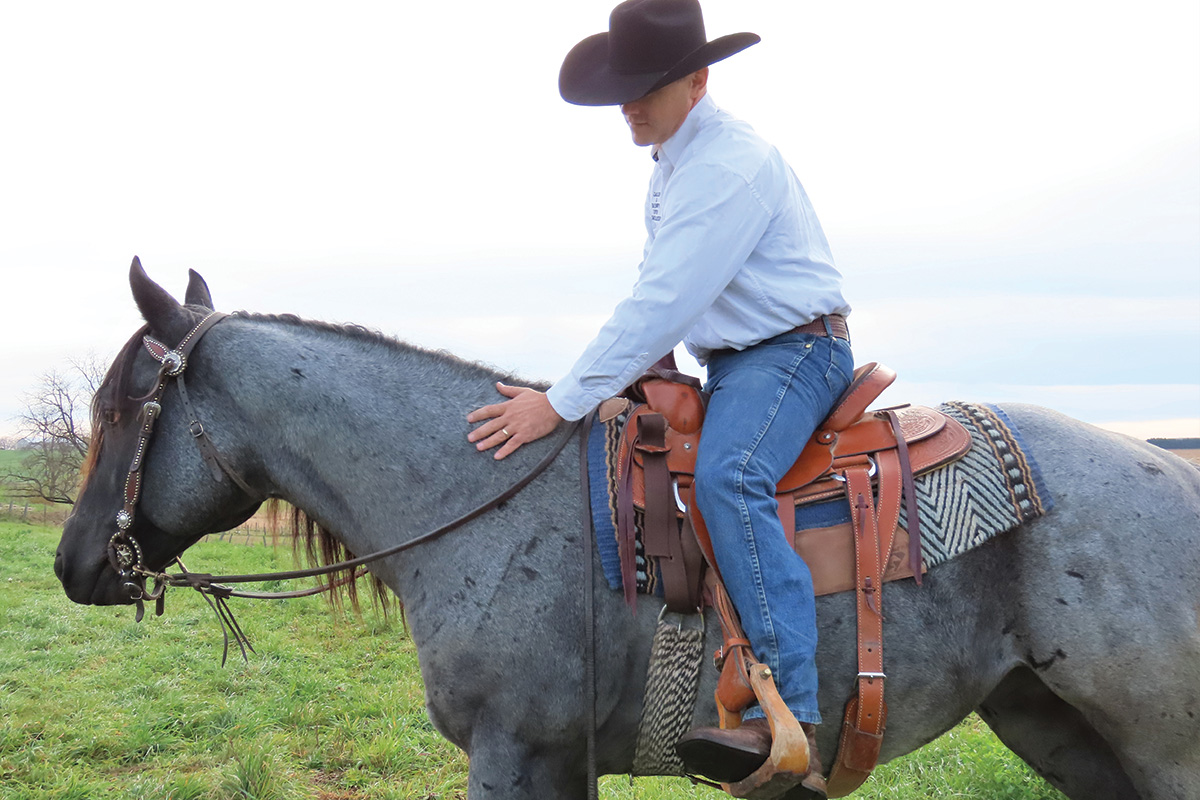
[
  {"x": 9, "y": 459},
  {"x": 93, "y": 705}
]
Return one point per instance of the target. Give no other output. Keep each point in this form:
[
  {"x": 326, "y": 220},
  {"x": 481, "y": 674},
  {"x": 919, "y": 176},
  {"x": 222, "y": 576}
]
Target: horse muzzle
[{"x": 92, "y": 584}]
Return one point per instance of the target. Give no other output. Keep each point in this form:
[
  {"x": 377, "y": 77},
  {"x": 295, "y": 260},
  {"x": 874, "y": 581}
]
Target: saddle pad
[{"x": 994, "y": 488}]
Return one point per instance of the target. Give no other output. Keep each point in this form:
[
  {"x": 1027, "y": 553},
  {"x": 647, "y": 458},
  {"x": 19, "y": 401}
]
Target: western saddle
[{"x": 868, "y": 457}]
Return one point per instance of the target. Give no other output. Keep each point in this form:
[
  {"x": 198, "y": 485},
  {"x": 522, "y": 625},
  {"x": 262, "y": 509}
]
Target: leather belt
[{"x": 836, "y": 327}]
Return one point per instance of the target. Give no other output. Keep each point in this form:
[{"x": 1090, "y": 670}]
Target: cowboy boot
[
  {"x": 814, "y": 781},
  {"x": 726, "y": 755}
]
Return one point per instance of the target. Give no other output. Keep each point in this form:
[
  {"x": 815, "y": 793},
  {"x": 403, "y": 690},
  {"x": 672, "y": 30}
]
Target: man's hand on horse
[{"x": 525, "y": 417}]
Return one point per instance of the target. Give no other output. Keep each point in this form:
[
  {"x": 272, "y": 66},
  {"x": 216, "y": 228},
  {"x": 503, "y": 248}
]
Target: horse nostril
[{"x": 58, "y": 565}]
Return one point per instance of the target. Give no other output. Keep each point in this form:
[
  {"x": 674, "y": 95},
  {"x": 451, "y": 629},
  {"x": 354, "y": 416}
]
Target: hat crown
[
  {"x": 653, "y": 35},
  {"x": 648, "y": 44}
]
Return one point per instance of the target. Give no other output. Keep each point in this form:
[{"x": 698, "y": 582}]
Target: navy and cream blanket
[{"x": 993, "y": 488}]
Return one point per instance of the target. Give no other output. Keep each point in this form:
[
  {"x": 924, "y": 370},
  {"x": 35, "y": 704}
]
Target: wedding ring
[{"x": 507, "y": 435}]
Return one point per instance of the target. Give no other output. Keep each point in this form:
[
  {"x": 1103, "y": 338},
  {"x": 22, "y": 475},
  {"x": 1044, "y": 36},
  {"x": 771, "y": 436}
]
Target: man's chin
[{"x": 640, "y": 136}]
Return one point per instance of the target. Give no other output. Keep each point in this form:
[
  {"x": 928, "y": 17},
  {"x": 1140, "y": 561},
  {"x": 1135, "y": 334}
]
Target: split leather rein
[{"x": 125, "y": 553}]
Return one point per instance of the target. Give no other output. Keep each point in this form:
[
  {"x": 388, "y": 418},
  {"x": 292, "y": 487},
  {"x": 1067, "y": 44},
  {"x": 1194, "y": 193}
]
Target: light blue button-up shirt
[{"x": 734, "y": 255}]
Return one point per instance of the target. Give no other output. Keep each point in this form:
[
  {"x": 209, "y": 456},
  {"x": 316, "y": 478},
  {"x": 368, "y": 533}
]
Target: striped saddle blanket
[{"x": 992, "y": 489}]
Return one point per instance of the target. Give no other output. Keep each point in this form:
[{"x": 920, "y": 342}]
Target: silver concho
[
  {"x": 125, "y": 555},
  {"x": 124, "y": 519},
  {"x": 173, "y": 361},
  {"x": 126, "y": 552}
]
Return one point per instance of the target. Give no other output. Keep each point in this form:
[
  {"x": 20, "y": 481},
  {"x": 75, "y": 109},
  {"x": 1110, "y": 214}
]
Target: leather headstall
[{"x": 124, "y": 552}]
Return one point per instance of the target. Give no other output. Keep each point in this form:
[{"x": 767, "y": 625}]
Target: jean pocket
[{"x": 841, "y": 367}]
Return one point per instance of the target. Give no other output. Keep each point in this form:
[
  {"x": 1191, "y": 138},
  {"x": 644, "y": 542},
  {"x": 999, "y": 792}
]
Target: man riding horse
[{"x": 735, "y": 266}]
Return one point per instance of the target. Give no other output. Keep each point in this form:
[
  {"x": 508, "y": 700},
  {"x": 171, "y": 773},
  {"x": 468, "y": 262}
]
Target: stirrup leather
[
  {"x": 743, "y": 680},
  {"x": 866, "y": 713}
]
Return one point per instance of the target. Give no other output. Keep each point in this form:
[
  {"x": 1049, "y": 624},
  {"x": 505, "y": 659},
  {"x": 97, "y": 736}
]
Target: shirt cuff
[{"x": 568, "y": 400}]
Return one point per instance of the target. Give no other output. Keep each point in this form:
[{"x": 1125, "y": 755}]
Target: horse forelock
[{"x": 113, "y": 401}]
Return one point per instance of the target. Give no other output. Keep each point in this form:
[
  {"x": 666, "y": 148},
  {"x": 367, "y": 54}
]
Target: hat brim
[{"x": 587, "y": 80}]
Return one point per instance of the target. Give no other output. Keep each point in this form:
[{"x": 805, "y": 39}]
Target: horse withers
[{"x": 1074, "y": 636}]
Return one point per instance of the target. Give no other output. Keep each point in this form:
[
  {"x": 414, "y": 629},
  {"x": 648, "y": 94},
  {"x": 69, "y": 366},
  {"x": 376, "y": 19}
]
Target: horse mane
[
  {"x": 368, "y": 336},
  {"x": 321, "y": 547}
]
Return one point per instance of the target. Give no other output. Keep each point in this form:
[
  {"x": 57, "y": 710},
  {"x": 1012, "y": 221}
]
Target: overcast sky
[{"x": 1012, "y": 191}]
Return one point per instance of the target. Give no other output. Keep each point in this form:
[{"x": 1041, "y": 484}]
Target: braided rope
[{"x": 671, "y": 686}]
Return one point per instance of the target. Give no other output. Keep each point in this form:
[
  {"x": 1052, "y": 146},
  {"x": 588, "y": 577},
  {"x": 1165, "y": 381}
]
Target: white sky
[{"x": 1012, "y": 191}]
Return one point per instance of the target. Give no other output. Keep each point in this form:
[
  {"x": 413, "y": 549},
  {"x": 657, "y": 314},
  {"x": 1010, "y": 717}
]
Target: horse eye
[{"x": 110, "y": 417}]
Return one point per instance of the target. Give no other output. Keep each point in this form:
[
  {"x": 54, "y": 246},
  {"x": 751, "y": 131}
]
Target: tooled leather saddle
[{"x": 867, "y": 457}]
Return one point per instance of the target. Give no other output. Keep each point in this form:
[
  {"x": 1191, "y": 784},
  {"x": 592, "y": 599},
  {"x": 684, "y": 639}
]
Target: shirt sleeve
[{"x": 712, "y": 219}]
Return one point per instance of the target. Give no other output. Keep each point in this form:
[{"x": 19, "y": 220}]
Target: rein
[{"x": 125, "y": 554}]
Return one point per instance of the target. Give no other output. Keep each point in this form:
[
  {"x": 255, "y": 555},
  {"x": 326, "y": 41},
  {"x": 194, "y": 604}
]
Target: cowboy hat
[{"x": 649, "y": 43}]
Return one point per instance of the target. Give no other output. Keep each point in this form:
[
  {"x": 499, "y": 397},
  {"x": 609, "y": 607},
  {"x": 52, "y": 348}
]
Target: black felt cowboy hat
[{"x": 649, "y": 43}]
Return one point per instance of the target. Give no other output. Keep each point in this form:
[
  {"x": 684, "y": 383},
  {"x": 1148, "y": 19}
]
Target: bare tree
[{"x": 57, "y": 423}]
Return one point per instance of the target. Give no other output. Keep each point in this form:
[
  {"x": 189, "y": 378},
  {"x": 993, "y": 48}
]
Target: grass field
[{"x": 93, "y": 705}]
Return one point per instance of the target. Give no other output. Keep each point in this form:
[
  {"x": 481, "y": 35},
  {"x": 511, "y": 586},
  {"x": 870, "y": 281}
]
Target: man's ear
[{"x": 699, "y": 84}]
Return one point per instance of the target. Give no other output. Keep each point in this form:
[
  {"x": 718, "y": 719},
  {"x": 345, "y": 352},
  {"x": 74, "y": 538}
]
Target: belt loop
[{"x": 828, "y": 327}]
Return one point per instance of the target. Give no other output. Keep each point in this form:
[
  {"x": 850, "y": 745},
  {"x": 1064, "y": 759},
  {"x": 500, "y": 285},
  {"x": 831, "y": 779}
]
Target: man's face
[{"x": 654, "y": 118}]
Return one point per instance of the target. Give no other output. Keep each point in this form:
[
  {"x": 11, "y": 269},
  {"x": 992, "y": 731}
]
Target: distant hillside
[{"x": 1176, "y": 444}]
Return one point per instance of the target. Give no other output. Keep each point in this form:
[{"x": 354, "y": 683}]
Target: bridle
[{"x": 125, "y": 553}]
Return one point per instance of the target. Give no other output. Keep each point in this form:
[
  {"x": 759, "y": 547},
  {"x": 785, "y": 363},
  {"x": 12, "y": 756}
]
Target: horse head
[{"x": 175, "y": 499}]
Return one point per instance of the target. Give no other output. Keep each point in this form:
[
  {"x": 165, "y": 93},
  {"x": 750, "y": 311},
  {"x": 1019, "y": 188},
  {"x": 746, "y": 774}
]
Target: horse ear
[
  {"x": 166, "y": 316},
  {"x": 197, "y": 291}
]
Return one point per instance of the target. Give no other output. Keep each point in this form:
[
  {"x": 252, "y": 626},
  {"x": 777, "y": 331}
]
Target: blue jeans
[{"x": 766, "y": 402}]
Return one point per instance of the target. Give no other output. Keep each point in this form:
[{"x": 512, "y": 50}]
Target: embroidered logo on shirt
[{"x": 655, "y": 211}]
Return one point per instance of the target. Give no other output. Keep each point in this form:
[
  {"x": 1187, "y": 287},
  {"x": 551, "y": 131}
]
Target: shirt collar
[{"x": 669, "y": 152}]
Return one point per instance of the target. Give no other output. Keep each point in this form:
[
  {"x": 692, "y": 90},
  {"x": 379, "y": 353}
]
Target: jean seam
[
  {"x": 744, "y": 511},
  {"x": 833, "y": 365}
]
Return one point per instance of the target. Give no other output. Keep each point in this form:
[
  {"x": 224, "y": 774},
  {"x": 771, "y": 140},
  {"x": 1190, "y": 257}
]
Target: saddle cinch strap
[{"x": 868, "y": 457}]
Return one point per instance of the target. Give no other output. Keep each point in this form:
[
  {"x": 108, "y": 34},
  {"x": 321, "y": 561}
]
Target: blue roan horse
[{"x": 1074, "y": 636}]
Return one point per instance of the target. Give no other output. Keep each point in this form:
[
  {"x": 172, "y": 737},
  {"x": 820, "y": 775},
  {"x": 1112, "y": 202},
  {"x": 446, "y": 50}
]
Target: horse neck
[{"x": 369, "y": 436}]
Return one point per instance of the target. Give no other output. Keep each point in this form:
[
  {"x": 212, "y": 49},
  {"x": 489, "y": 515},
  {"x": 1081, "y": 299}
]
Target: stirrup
[
  {"x": 743, "y": 680},
  {"x": 788, "y": 763}
]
